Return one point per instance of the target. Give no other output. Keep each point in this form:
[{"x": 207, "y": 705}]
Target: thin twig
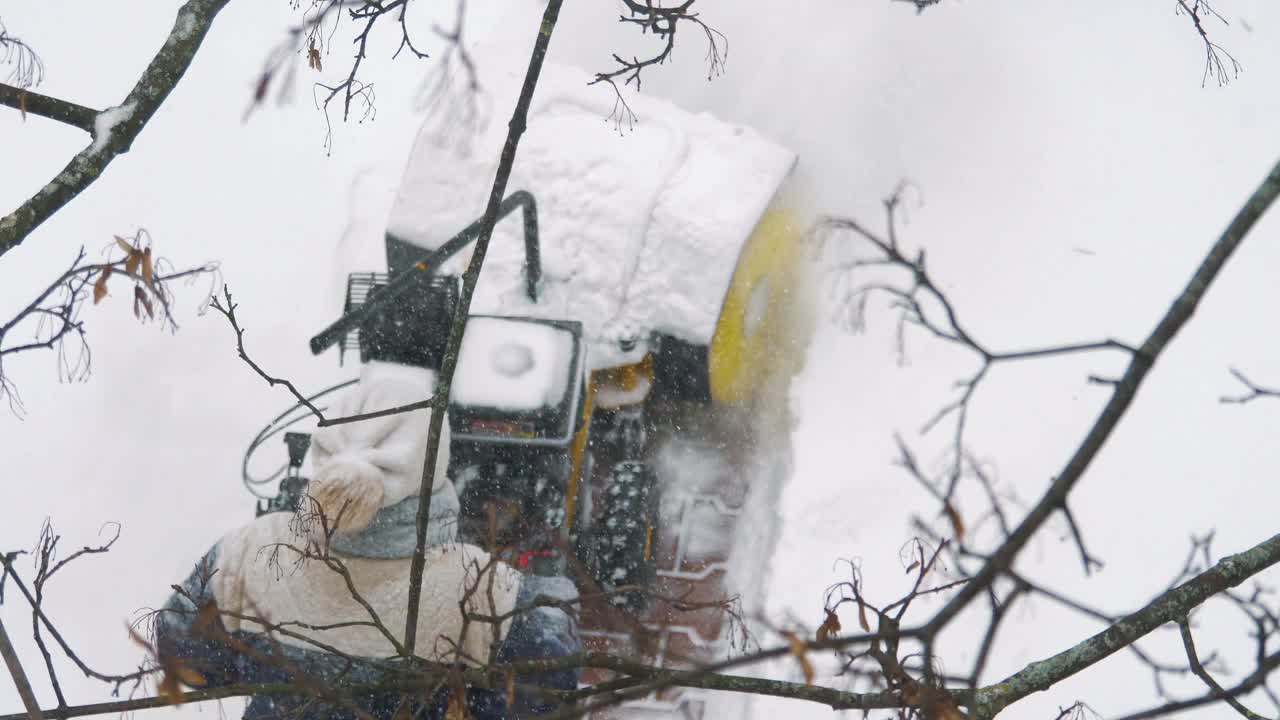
[
  {"x": 28, "y": 101},
  {"x": 12, "y": 575},
  {"x": 662, "y": 22},
  {"x": 1214, "y": 65},
  {"x": 229, "y": 312},
  {"x": 1255, "y": 391},
  {"x": 1088, "y": 561},
  {"x": 1189, "y": 645}
]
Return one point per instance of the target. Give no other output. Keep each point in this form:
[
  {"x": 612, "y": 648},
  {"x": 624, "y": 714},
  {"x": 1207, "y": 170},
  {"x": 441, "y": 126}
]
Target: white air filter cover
[{"x": 512, "y": 365}]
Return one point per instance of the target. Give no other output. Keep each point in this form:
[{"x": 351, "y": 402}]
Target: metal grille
[{"x": 359, "y": 285}]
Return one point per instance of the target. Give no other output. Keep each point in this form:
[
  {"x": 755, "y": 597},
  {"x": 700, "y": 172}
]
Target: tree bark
[
  {"x": 115, "y": 129},
  {"x": 19, "y": 675}
]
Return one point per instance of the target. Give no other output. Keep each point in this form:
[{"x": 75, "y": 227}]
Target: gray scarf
[{"x": 393, "y": 532}]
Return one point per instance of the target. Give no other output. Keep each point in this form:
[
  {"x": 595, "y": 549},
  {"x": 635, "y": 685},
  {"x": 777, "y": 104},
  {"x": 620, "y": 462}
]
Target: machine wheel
[
  {"x": 621, "y": 433},
  {"x": 625, "y": 537},
  {"x": 529, "y": 504}
]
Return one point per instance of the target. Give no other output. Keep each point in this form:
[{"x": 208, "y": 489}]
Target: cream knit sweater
[{"x": 262, "y": 574}]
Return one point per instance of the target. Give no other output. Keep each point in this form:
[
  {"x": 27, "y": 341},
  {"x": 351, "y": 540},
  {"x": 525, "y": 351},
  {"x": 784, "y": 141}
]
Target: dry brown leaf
[
  {"x": 206, "y": 622},
  {"x": 912, "y": 566},
  {"x": 798, "y": 649},
  {"x": 946, "y": 709},
  {"x": 185, "y": 675},
  {"x": 22, "y": 104},
  {"x": 937, "y": 705},
  {"x": 175, "y": 675},
  {"x": 100, "y": 286},
  {"x": 132, "y": 262},
  {"x": 148, "y": 271},
  {"x": 957, "y": 524},
  {"x": 170, "y": 689},
  {"x": 124, "y": 245},
  {"x": 457, "y": 709},
  {"x": 511, "y": 690},
  {"x": 173, "y": 672},
  {"x": 862, "y": 616},
  {"x": 829, "y": 627},
  {"x": 140, "y": 296},
  {"x": 313, "y": 58}
]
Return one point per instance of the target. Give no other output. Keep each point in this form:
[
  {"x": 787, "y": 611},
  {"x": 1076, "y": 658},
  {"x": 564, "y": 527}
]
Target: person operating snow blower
[{"x": 318, "y": 597}]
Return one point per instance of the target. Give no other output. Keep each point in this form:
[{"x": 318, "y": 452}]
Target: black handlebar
[{"x": 424, "y": 268}]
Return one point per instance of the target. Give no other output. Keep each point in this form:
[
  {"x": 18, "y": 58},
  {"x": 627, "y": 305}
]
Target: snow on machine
[{"x": 636, "y": 288}]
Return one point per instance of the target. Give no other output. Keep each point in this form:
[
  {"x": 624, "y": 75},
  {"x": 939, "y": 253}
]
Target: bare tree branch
[
  {"x": 228, "y": 310},
  {"x": 452, "y": 109},
  {"x": 28, "y": 68},
  {"x": 921, "y": 302},
  {"x": 29, "y": 101},
  {"x": 313, "y": 36},
  {"x": 1122, "y": 397},
  {"x": 444, "y": 381},
  {"x": 663, "y": 22},
  {"x": 38, "y": 612},
  {"x": 19, "y": 675},
  {"x": 47, "y": 565},
  {"x": 1218, "y": 63},
  {"x": 54, "y": 315},
  {"x": 123, "y": 706},
  {"x": 1255, "y": 680},
  {"x": 116, "y": 128},
  {"x": 1255, "y": 391},
  {"x": 920, "y": 5},
  {"x": 495, "y": 675},
  {"x": 1189, "y": 644},
  {"x": 1170, "y": 606}
]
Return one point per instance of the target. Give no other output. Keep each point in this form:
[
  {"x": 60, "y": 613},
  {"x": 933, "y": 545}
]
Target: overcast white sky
[{"x": 1072, "y": 170}]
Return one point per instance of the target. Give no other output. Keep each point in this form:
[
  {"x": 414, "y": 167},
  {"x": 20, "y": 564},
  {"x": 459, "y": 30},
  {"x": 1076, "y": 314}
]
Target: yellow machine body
[{"x": 753, "y": 328}]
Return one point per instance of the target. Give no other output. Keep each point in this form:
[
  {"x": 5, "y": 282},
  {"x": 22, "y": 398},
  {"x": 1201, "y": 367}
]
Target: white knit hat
[{"x": 365, "y": 466}]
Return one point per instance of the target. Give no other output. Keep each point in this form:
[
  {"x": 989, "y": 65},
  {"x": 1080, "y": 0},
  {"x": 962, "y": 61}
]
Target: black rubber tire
[
  {"x": 534, "y": 505},
  {"x": 625, "y": 537}
]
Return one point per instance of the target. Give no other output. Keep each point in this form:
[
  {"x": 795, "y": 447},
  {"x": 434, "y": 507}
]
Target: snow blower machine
[{"x": 635, "y": 292}]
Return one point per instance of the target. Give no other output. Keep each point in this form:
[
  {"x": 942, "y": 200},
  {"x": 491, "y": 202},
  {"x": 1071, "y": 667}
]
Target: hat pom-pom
[{"x": 349, "y": 494}]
